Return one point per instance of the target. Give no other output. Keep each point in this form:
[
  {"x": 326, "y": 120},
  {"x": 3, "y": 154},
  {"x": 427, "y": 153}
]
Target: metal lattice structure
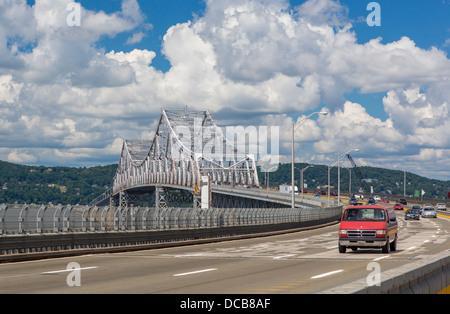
[{"x": 187, "y": 145}]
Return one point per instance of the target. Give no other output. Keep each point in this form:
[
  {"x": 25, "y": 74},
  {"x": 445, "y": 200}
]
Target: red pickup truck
[{"x": 368, "y": 226}]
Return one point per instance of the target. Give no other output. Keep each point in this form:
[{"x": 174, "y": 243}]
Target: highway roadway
[{"x": 301, "y": 262}]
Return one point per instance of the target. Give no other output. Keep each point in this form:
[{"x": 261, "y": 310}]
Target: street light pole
[
  {"x": 404, "y": 183},
  {"x": 329, "y": 167},
  {"x": 349, "y": 182},
  {"x": 292, "y": 168},
  {"x": 339, "y": 172},
  {"x": 294, "y": 125},
  {"x": 301, "y": 177}
]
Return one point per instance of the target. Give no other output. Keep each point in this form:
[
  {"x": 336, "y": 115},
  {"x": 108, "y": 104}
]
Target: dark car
[
  {"x": 371, "y": 201},
  {"x": 402, "y": 201},
  {"x": 353, "y": 201},
  {"x": 412, "y": 214}
]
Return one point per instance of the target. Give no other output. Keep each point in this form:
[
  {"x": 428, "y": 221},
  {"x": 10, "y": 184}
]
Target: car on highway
[
  {"x": 398, "y": 206},
  {"x": 418, "y": 207},
  {"x": 368, "y": 226},
  {"x": 429, "y": 212},
  {"x": 441, "y": 206},
  {"x": 353, "y": 201},
  {"x": 377, "y": 198},
  {"x": 412, "y": 214},
  {"x": 371, "y": 201},
  {"x": 402, "y": 201}
]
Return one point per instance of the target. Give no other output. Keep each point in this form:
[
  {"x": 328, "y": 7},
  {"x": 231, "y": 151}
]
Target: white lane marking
[
  {"x": 283, "y": 256},
  {"x": 327, "y": 274},
  {"x": 381, "y": 257},
  {"x": 195, "y": 272},
  {"x": 190, "y": 255},
  {"x": 411, "y": 248},
  {"x": 67, "y": 270}
]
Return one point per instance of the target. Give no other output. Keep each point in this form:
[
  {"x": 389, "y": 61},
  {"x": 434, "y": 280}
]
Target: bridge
[
  {"x": 298, "y": 249},
  {"x": 190, "y": 160}
]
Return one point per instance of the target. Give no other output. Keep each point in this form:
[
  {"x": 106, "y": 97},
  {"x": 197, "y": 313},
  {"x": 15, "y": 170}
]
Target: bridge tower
[{"x": 187, "y": 146}]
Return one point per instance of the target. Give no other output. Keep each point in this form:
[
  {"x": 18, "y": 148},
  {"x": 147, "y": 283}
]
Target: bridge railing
[{"x": 38, "y": 219}]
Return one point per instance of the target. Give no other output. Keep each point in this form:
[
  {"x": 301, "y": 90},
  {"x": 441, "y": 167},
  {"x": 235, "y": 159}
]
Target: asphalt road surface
[{"x": 301, "y": 262}]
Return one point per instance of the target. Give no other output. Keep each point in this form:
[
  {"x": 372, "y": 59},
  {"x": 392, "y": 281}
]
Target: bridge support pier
[
  {"x": 123, "y": 199},
  {"x": 160, "y": 197},
  {"x": 197, "y": 200}
]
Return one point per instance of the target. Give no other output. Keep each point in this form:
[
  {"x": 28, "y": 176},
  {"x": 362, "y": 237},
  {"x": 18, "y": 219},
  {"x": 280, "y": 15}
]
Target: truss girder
[{"x": 187, "y": 145}]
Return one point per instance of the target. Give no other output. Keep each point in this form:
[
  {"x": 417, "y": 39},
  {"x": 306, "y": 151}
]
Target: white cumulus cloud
[{"x": 247, "y": 61}]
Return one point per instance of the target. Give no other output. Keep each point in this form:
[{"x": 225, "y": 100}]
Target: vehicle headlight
[
  {"x": 381, "y": 232},
  {"x": 343, "y": 231}
]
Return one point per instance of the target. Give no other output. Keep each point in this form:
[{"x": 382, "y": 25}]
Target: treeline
[
  {"x": 383, "y": 181},
  {"x": 67, "y": 185},
  {"x": 57, "y": 185}
]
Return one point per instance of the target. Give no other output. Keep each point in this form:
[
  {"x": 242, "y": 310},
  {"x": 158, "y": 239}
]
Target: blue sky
[
  {"x": 426, "y": 22},
  {"x": 70, "y": 95},
  {"x": 160, "y": 14}
]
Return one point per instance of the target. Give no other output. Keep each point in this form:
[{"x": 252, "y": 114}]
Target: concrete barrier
[{"x": 430, "y": 275}]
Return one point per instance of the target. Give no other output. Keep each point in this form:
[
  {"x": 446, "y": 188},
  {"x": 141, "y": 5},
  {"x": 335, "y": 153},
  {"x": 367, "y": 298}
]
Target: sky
[{"x": 70, "y": 93}]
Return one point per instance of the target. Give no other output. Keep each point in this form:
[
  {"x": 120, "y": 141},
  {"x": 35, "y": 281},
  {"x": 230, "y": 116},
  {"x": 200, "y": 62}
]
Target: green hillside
[
  {"x": 383, "y": 181},
  {"x": 66, "y": 185},
  {"x": 41, "y": 185}
]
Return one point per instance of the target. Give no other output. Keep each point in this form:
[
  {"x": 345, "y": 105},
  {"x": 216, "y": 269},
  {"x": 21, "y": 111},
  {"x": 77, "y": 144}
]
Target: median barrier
[
  {"x": 429, "y": 275},
  {"x": 156, "y": 228}
]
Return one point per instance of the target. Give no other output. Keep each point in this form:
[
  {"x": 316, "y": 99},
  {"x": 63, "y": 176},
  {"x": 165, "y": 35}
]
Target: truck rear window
[{"x": 364, "y": 214}]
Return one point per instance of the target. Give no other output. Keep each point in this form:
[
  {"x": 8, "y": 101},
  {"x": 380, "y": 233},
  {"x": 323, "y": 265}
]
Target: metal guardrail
[
  {"x": 30, "y": 231},
  {"x": 34, "y": 219},
  {"x": 38, "y": 219}
]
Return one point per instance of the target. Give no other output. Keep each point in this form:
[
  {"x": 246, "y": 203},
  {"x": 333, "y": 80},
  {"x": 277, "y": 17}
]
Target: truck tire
[
  {"x": 393, "y": 245},
  {"x": 385, "y": 248},
  {"x": 342, "y": 249}
]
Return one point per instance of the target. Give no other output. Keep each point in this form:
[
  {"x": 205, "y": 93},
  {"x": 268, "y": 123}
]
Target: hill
[
  {"x": 41, "y": 185},
  {"x": 383, "y": 181},
  {"x": 67, "y": 185}
]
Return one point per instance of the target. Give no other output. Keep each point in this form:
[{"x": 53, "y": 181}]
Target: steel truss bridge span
[
  {"x": 188, "y": 146},
  {"x": 181, "y": 152}
]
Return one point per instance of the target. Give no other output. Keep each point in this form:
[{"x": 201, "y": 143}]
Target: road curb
[{"x": 430, "y": 275}]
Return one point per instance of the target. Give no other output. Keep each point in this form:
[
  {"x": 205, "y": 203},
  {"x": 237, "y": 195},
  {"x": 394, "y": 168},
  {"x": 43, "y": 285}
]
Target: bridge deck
[{"x": 236, "y": 191}]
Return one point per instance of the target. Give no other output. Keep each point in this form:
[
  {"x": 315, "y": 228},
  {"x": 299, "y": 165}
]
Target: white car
[
  {"x": 429, "y": 212},
  {"x": 359, "y": 196},
  {"x": 441, "y": 206},
  {"x": 377, "y": 198}
]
